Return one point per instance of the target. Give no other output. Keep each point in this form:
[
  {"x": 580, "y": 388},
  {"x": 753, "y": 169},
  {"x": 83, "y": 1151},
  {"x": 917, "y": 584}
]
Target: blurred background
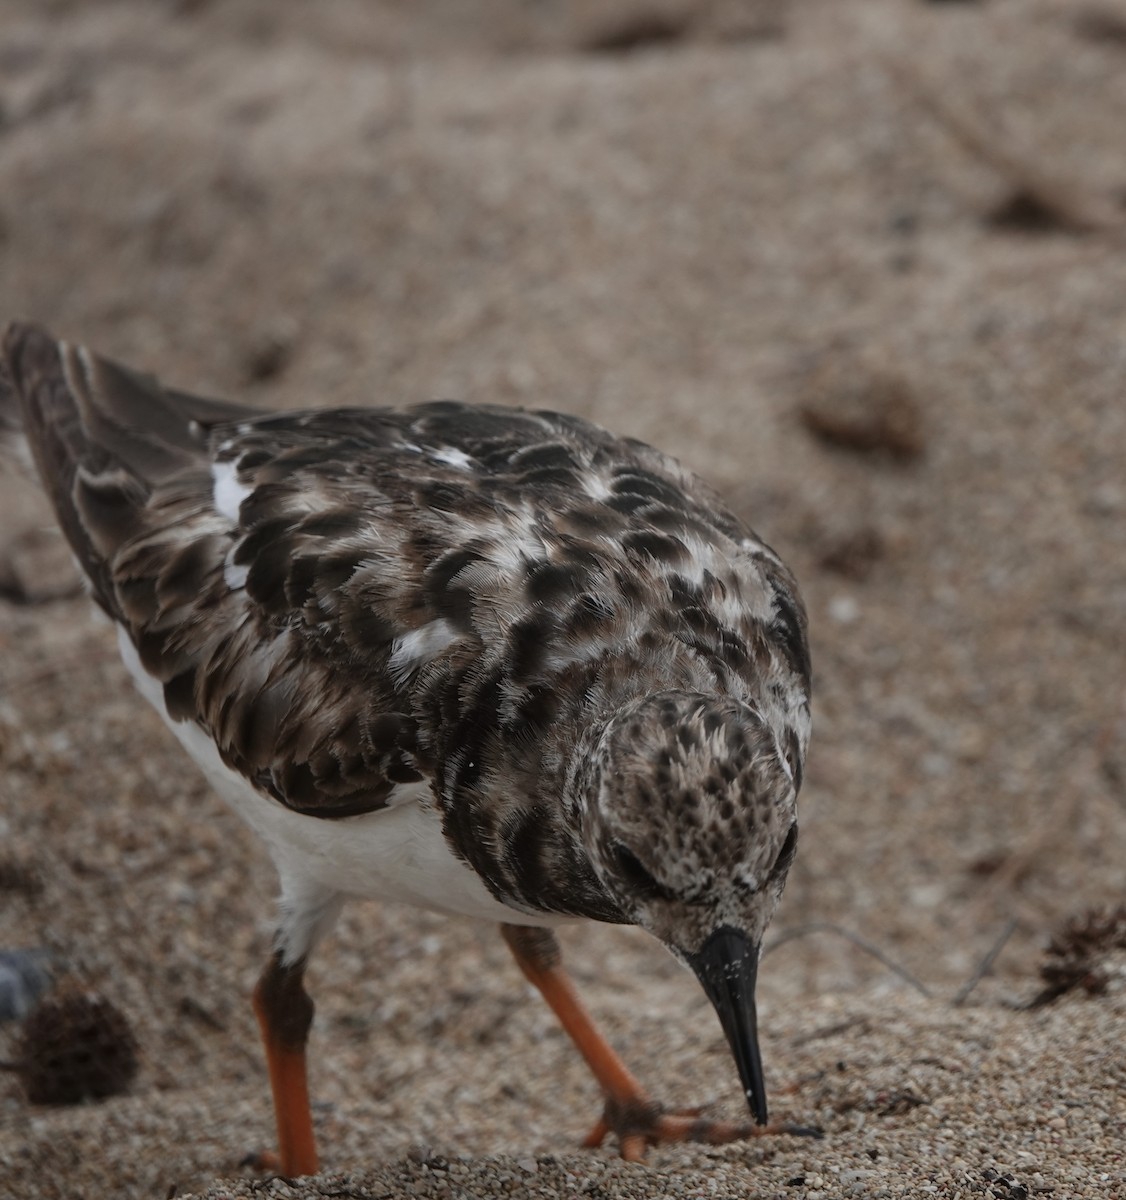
[{"x": 859, "y": 263}]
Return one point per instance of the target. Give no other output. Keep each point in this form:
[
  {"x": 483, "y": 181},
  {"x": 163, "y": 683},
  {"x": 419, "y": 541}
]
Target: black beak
[{"x": 727, "y": 965}]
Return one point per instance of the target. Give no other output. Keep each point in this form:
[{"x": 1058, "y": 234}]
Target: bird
[{"x": 485, "y": 660}]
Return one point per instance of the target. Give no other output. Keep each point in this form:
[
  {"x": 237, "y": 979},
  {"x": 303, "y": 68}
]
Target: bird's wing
[
  {"x": 145, "y": 484},
  {"x": 347, "y": 600}
]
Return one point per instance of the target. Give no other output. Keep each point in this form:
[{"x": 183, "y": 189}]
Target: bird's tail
[
  {"x": 100, "y": 436},
  {"x": 13, "y": 440}
]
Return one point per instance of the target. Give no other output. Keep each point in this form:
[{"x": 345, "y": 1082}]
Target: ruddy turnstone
[{"x": 484, "y": 660}]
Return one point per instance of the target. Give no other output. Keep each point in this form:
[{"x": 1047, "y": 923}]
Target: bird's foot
[
  {"x": 264, "y": 1162},
  {"x": 639, "y": 1123}
]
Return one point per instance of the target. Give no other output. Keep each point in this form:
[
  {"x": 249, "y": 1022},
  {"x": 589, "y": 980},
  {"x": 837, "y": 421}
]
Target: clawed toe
[
  {"x": 640, "y": 1123},
  {"x": 806, "y": 1131},
  {"x": 264, "y": 1162}
]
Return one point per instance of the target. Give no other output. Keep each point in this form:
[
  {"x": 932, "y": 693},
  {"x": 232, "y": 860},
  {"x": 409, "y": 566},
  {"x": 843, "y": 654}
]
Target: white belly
[{"x": 396, "y": 853}]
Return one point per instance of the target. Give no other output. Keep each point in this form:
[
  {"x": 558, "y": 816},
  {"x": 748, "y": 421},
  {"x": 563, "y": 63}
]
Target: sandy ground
[{"x": 862, "y": 265}]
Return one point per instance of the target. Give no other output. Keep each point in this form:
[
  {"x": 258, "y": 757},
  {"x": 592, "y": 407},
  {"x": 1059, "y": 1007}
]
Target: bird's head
[{"x": 692, "y": 829}]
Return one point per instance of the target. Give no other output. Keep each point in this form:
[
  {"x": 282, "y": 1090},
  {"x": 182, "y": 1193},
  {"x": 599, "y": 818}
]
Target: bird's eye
[
  {"x": 786, "y": 854},
  {"x": 631, "y": 871}
]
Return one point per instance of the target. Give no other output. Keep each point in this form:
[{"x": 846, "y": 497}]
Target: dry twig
[
  {"x": 800, "y": 931},
  {"x": 986, "y": 964}
]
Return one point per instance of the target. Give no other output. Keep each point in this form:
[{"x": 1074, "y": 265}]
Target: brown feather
[{"x": 445, "y": 592}]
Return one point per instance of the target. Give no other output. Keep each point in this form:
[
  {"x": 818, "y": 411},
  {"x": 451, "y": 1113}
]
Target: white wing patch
[
  {"x": 595, "y": 486},
  {"x": 453, "y": 457},
  {"x": 415, "y": 649},
  {"x": 227, "y": 492},
  {"x": 235, "y": 573}
]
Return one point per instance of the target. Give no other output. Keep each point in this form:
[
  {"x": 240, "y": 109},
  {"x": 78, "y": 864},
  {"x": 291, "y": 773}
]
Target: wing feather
[{"x": 347, "y": 600}]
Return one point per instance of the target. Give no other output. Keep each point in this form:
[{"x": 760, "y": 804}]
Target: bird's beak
[{"x": 727, "y": 965}]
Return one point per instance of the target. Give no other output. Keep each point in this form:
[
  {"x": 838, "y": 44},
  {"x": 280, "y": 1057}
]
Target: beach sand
[{"x": 863, "y": 266}]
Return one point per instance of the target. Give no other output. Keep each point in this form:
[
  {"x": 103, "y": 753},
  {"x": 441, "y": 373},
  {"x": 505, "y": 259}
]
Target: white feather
[
  {"x": 453, "y": 457},
  {"x": 227, "y": 492},
  {"x": 235, "y": 573},
  {"x": 415, "y": 649},
  {"x": 595, "y": 486}
]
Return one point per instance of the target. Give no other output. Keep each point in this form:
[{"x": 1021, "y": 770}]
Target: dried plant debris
[
  {"x": 1028, "y": 209},
  {"x": 638, "y": 29},
  {"x": 20, "y": 876},
  {"x": 1102, "y": 24},
  {"x": 853, "y": 553},
  {"x": 1086, "y": 953},
  {"x": 1113, "y": 767},
  {"x": 75, "y": 1045},
  {"x": 1039, "y": 200},
  {"x": 657, "y": 24},
  {"x": 268, "y": 352},
  {"x": 868, "y": 409}
]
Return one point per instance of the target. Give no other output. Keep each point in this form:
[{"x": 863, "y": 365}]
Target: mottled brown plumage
[{"x": 557, "y": 647}]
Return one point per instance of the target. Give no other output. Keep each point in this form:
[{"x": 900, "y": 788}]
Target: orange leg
[
  {"x": 637, "y": 1121},
  {"x": 285, "y": 1013}
]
